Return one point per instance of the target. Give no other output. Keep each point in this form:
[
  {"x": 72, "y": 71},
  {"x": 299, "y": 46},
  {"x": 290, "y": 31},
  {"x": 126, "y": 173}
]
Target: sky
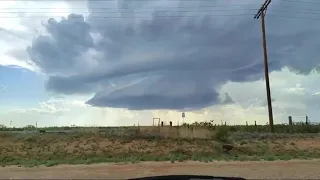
[{"x": 125, "y": 62}]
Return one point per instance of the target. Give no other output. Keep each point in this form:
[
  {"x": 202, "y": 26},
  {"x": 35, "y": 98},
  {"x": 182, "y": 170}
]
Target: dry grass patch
[{"x": 147, "y": 144}]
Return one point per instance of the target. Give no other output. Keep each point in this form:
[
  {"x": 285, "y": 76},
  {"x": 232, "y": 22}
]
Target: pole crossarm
[{"x": 263, "y": 8}]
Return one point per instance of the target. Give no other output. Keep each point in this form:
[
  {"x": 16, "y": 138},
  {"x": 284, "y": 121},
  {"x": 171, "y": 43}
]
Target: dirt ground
[{"x": 261, "y": 170}]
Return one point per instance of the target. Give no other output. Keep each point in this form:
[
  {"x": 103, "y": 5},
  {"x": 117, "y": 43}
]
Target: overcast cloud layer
[{"x": 156, "y": 62}]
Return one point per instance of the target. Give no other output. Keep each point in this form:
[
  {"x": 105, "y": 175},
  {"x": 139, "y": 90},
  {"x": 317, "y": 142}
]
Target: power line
[
  {"x": 148, "y": 17},
  {"x": 169, "y": 16},
  {"x": 104, "y": 8},
  {"x": 248, "y": 7},
  {"x": 294, "y": 17},
  {"x": 139, "y": 12},
  {"x": 179, "y": 9},
  {"x": 133, "y": 17},
  {"x": 20, "y": 10},
  {"x": 299, "y": 12},
  {"x": 304, "y": 10},
  {"x": 134, "y": 12},
  {"x": 107, "y": 14},
  {"x": 124, "y": 0},
  {"x": 296, "y": 8},
  {"x": 303, "y": 2}
]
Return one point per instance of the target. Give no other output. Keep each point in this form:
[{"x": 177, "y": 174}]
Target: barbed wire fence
[{"x": 306, "y": 119}]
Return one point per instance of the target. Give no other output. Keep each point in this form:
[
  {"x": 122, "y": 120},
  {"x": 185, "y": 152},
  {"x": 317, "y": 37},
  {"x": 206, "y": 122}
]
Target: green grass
[
  {"x": 251, "y": 142},
  {"x": 195, "y": 150},
  {"x": 5, "y": 161}
]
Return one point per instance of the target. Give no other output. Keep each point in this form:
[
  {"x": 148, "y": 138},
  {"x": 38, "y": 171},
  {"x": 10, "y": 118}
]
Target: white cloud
[
  {"x": 293, "y": 94},
  {"x": 250, "y": 106},
  {"x": 64, "y": 111},
  {"x": 67, "y": 112},
  {"x": 20, "y": 23}
]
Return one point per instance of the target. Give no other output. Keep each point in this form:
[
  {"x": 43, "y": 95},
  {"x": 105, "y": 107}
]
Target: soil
[{"x": 251, "y": 170}]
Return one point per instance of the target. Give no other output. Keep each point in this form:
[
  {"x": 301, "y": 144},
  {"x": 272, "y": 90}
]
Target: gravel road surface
[{"x": 261, "y": 170}]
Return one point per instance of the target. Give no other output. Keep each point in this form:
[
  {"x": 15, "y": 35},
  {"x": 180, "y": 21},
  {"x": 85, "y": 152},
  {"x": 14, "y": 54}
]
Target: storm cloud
[{"x": 165, "y": 59}]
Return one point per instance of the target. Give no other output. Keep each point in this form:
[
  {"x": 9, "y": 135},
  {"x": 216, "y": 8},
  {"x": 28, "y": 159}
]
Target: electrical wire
[
  {"x": 248, "y": 7},
  {"x": 295, "y": 17},
  {"x": 105, "y": 8},
  {"x": 130, "y": 0},
  {"x": 303, "y": 2},
  {"x": 134, "y": 17},
  {"x": 138, "y": 12},
  {"x": 98, "y": 13}
]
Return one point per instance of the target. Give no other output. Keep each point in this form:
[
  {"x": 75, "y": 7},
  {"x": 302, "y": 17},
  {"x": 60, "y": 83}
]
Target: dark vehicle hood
[{"x": 187, "y": 177}]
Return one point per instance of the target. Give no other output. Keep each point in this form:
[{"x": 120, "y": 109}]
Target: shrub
[
  {"x": 42, "y": 131},
  {"x": 221, "y": 134}
]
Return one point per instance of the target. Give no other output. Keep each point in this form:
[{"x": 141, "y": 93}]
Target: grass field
[
  {"x": 297, "y": 127},
  {"x": 133, "y": 144}
]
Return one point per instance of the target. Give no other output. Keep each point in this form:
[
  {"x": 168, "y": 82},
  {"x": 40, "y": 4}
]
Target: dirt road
[{"x": 260, "y": 170}]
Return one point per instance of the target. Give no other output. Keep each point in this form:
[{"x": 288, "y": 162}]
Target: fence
[{"x": 295, "y": 124}]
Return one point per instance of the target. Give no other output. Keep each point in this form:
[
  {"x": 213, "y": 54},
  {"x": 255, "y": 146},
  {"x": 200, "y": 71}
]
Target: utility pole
[{"x": 261, "y": 13}]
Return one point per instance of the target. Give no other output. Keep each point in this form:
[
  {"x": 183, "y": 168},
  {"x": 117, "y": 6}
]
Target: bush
[
  {"x": 221, "y": 134},
  {"x": 42, "y": 131}
]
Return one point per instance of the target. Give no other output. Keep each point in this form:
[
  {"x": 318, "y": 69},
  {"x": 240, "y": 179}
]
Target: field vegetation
[{"x": 198, "y": 141}]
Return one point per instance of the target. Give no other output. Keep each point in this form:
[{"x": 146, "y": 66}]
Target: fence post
[
  {"x": 193, "y": 131},
  {"x": 290, "y": 124},
  {"x": 307, "y": 121},
  {"x": 170, "y": 131}
]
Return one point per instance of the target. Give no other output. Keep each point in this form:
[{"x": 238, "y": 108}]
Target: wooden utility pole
[{"x": 261, "y": 13}]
